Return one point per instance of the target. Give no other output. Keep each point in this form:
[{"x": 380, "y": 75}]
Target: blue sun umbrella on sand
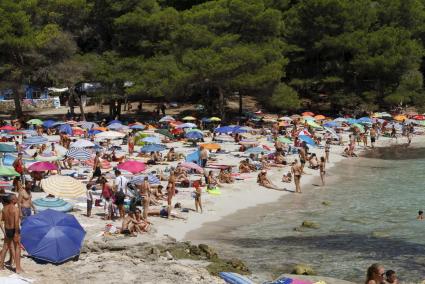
[
  {"x": 307, "y": 140},
  {"x": 153, "y": 148},
  {"x": 194, "y": 135},
  {"x": 52, "y": 236}
]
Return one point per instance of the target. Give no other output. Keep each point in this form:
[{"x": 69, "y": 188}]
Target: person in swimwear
[{"x": 25, "y": 201}]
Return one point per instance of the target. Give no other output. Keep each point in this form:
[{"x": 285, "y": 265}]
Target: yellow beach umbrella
[
  {"x": 63, "y": 186},
  {"x": 188, "y": 118},
  {"x": 214, "y": 118},
  {"x": 313, "y": 124},
  {"x": 400, "y": 117}
]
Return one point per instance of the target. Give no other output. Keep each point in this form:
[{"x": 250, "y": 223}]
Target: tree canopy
[{"x": 341, "y": 54}]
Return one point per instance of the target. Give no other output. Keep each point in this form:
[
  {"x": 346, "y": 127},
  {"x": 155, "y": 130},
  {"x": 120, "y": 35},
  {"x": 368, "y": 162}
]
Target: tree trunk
[
  {"x": 221, "y": 103},
  {"x": 83, "y": 115},
  {"x": 17, "y": 99},
  {"x": 240, "y": 105}
]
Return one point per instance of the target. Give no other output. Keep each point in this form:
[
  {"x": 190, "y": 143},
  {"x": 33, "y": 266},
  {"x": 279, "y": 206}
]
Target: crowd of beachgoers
[{"x": 127, "y": 175}]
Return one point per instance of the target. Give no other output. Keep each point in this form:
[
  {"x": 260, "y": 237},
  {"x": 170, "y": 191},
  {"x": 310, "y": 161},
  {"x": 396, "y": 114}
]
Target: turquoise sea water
[{"x": 371, "y": 218}]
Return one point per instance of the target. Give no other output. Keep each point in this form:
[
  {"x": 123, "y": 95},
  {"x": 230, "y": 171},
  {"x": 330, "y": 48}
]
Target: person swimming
[{"x": 420, "y": 215}]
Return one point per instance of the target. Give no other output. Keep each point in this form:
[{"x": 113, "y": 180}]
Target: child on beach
[{"x": 197, "y": 195}]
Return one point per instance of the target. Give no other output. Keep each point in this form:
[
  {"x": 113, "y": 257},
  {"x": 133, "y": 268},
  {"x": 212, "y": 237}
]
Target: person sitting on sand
[
  {"x": 141, "y": 225},
  {"x": 313, "y": 162},
  {"x": 211, "y": 181},
  {"x": 225, "y": 176},
  {"x": 152, "y": 159},
  {"x": 171, "y": 155},
  {"x": 287, "y": 177},
  {"x": 264, "y": 181},
  {"x": 244, "y": 167},
  {"x": 126, "y": 228},
  {"x": 280, "y": 159}
]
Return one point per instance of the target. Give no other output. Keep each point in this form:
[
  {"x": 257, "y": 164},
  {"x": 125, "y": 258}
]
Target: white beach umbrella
[
  {"x": 63, "y": 186},
  {"x": 110, "y": 135},
  {"x": 82, "y": 143}
]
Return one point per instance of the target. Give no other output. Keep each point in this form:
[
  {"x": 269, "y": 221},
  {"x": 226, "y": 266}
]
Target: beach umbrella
[
  {"x": 35, "y": 140},
  {"x": 114, "y": 121},
  {"x": 340, "y": 119},
  {"x": 319, "y": 117},
  {"x": 189, "y": 118},
  {"x": 307, "y": 113},
  {"x": 52, "y": 203},
  {"x": 66, "y": 128},
  {"x": 110, "y": 135},
  {"x": 77, "y": 131},
  {"x": 88, "y": 125},
  {"x": 80, "y": 154},
  {"x": 419, "y": 117},
  {"x": 48, "y": 123},
  {"x": 100, "y": 128},
  {"x": 308, "y": 118},
  {"x": 8, "y": 172},
  {"x": 82, "y": 143},
  {"x": 93, "y": 132},
  {"x": 63, "y": 186},
  {"x": 332, "y": 132},
  {"x": 364, "y": 120},
  {"x": 192, "y": 166},
  {"x": 8, "y": 128},
  {"x": 313, "y": 124},
  {"x": 42, "y": 166},
  {"x": 153, "y": 148},
  {"x": 256, "y": 150},
  {"x": 35, "y": 121},
  {"x": 58, "y": 123},
  {"x": 307, "y": 140},
  {"x": 400, "y": 117},
  {"x": 167, "y": 118},
  {"x": 140, "y": 179},
  {"x": 330, "y": 124},
  {"x": 151, "y": 140},
  {"x": 224, "y": 129},
  {"x": 6, "y": 148},
  {"x": 206, "y": 120},
  {"x": 52, "y": 236},
  {"x": 284, "y": 139},
  {"x": 351, "y": 120},
  {"x": 285, "y": 118},
  {"x": 295, "y": 116},
  {"x": 186, "y": 125},
  {"x": 116, "y": 126},
  {"x": 194, "y": 135},
  {"x": 215, "y": 119},
  {"x": 165, "y": 132},
  {"x": 239, "y": 129},
  {"x": 137, "y": 127},
  {"x": 210, "y": 146},
  {"x": 187, "y": 130},
  {"x": 133, "y": 167},
  {"x": 359, "y": 126}
]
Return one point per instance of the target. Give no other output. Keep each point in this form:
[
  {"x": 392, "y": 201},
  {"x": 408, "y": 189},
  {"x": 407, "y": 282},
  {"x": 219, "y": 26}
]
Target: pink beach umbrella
[
  {"x": 42, "y": 166},
  {"x": 192, "y": 166},
  {"x": 133, "y": 167}
]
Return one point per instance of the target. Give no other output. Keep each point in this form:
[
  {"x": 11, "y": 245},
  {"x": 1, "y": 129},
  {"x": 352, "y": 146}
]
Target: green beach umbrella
[
  {"x": 8, "y": 172},
  {"x": 284, "y": 140},
  {"x": 359, "y": 126},
  {"x": 6, "y": 148},
  {"x": 313, "y": 124},
  {"x": 165, "y": 132},
  {"x": 35, "y": 121}
]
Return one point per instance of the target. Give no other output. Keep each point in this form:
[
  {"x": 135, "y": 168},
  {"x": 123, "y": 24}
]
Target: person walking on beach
[
  {"x": 171, "y": 191},
  {"x": 89, "y": 197},
  {"x": 375, "y": 274},
  {"x": 296, "y": 170},
  {"x": 130, "y": 144},
  {"x": 322, "y": 167},
  {"x": 303, "y": 155},
  {"x": 11, "y": 219},
  {"x": 25, "y": 201},
  {"x": 145, "y": 191},
  {"x": 96, "y": 167},
  {"x": 120, "y": 185},
  {"x": 204, "y": 157},
  {"x": 197, "y": 195},
  {"x": 372, "y": 136},
  {"x": 327, "y": 149}
]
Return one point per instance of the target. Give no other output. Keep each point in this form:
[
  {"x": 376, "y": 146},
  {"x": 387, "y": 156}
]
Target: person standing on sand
[
  {"x": 120, "y": 185},
  {"x": 303, "y": 156},
  {"x": 171, "y": 191},
  {"x": 375, "y": 274},
  {"x": 145, "y": 190},
  {"x": 130, "y": 144},
  {"x": 322, "y": 167},
  {"x": 297, "y": 170},
  {"x": 18, "y": 165},
  {"x": 373, "y": 136},
  {"x": 197, "y": 195},
  {"x": 409, "y": 137},
  {"x": 25, "y": 201},
  {"x": 96, "y": 167},
  {"x": 327, "y": 149},
  {"x": 11, "y": 219},
  {"x": 204, "y": 157}
]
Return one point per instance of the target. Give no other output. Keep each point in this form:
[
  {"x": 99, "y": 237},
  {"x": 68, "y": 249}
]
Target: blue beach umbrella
[
  {"x": 48, "y": 123},
  {"x": 256, "y": 150},
  {"x": 151, "y": 140},
  {"x": 88, "y": 125},
  {"x": 80, "y": 154},
  {"x": 94, "y": 132},
  {"x": 6, "y": 148},
  {"x": 152, "y": 148},
  {"x": 35, "y": 140},
  {"x": 330, "y": 124},
  {"x": 239, "y": 130},
  {"x": 139, "y": 179},
  {"x": 351, "y": 120},
  {"x": 52, "y": 236},
  {"x": 224, "y": 129},
  {"x": 66, "y": 128},
  {"x": 194, "y": 135},
  {"x": 116, "y": 126},
  {"x": 364, "y": 120},
  {"x": 57, "y": 123},
  {"x": 138, "y": 127},
  {"x": 114, "y": 121},
  {"x": 340, "y": 119},
  {"x": 307, "y": 140}
]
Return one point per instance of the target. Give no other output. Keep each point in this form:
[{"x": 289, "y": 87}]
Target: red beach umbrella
[
  {"x": 133, "y": 167},
  {"x": 42, "y": 166},
  {"x": 8, "y": 128},
  {"x": 419, "y": 117}
]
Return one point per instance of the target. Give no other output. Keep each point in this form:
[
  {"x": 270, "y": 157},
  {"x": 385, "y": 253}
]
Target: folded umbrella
[{"x": 52, "y": 236}]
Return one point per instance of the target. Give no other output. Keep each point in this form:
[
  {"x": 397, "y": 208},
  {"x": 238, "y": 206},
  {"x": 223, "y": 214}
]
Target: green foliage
[{"x": 284, "y": 98}]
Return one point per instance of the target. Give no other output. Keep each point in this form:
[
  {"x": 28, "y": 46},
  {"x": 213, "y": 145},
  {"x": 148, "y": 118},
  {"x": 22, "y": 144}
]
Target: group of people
[{"x": 376, "y": 274}]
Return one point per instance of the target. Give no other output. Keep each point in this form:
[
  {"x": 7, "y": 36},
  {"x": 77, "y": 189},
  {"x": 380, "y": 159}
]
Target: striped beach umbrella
[
  {"x": 82, "y": 143},
  {"x": 35, "y": 140},
  {"x": 139, "y": 179},
  {"x": 80, "y": 154},
  {"x": 110, "y": 135},
  {"x": 63, "y": 186},
  {"x": 88, "y": 125}
]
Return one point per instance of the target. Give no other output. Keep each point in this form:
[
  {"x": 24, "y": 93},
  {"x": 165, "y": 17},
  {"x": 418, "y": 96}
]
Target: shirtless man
[
  {"x": 296, "y": 170},
  {"x": 96, "y": 167},
  {"x": 145, "y": 190},
  {"x": 25, "y": 202},
  {"x": 10, "y": 217},
  {"x": 171, "y": 191},
  {"x": 204, "y": 157}
]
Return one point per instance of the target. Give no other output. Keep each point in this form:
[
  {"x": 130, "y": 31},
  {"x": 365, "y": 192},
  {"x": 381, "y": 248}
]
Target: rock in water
[
  {"x": 310, "y": 224},
  {"x": 303, "y": 269}
]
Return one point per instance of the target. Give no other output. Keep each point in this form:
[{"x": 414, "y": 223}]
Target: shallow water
[{"x": 371, "y": 218}]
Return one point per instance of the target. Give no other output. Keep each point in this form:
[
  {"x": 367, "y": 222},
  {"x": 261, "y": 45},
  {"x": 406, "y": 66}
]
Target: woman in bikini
[
  {"x": 171, "y": 191},
  {"x": 322, "y": 167},
  {"x": 145, "y": 191}
]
